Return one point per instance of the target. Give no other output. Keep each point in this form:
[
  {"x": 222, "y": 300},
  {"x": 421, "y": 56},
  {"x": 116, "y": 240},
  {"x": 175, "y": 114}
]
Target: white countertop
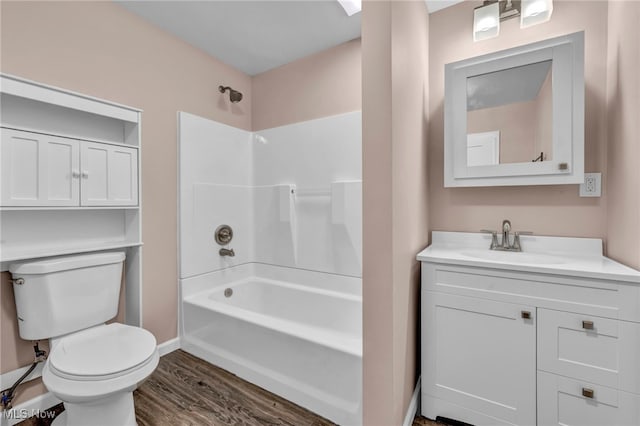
[{"x": 577, "y": 257}]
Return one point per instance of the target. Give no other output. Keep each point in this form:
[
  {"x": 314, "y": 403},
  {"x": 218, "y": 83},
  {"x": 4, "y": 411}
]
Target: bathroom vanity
[{"x": 546, "y": 336}]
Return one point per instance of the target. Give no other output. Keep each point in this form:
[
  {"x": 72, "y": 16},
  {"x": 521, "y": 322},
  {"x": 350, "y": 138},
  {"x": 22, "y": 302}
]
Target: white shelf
[
  {"x": 21, "y": 87},
  {"x": 23, "y": 253},
  {"x": 81, "y": 208},
  {"x": 66, "y": 135}
]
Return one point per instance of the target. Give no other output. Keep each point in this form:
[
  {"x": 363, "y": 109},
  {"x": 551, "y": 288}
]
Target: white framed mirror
[{"x": 516, "y": 117}]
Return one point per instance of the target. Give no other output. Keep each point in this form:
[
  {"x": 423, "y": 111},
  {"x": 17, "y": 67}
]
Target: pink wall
[
  {"x": 395, "y": 187},
  {"x": 623, "y": 154},
  {"x": 323, "y": 84},
  {"x": 377, "y": 219},
  {"x": 100, "y": 49},
  {"x": 545, "y": 210}
]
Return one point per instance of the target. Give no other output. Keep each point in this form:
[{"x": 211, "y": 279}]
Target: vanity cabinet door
[
  {"x": 39, "y": 170},
  {"x": 478, "y": 360},
  {"x": 109, "y": 175},
  {"x": 564, "y": 401}
]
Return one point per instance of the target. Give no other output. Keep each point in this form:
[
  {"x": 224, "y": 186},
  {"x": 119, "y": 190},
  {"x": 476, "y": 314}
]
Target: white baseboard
[
  {"x": 169, "y": 346},
  {"x": 413, "y": 405},
  {"x": 29, "y": 408}
]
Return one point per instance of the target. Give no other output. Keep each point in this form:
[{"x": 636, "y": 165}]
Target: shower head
[{"x": 234, "y": 95}]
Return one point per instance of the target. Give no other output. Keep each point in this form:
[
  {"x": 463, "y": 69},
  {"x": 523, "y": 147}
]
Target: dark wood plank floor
[
  {"x": 423, "y": 421},
  {"x": 184, "y": 390}
]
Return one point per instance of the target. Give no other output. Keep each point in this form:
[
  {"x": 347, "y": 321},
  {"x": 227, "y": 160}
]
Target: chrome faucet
[
  {"x": 505, "y": 244},
  {"x": 506, "y": 228}
]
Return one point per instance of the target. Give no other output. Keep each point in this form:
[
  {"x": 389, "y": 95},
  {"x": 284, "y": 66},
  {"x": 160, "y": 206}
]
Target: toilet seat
[
  {"x": 135, "y": 357},
  {"x": 101, "y": 353}
]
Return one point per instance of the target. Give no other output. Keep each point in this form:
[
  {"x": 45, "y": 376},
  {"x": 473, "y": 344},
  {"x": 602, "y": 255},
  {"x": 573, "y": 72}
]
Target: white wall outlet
[{"x": 592, "y": 186}]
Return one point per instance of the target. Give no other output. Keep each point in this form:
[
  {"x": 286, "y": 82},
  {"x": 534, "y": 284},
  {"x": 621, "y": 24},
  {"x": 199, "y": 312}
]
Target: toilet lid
[{"x": 102, "y": 351}]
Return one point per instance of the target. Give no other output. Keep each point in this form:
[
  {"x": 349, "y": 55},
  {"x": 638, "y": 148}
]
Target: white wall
[
  {"x": 292, "y": 194},
  {"x": 214, "y": 189}
]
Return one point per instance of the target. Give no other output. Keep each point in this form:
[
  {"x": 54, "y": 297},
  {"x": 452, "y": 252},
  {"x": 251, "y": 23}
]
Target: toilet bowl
[
  {"x": 95, "y": 371},
  {"x": 92, "y": 367}
]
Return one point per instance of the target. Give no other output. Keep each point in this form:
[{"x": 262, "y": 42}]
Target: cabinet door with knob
[
  {"x": 109, "y": 175},
  {"x": 481, "y": 355},
  {"x": 39, "y": 170}
]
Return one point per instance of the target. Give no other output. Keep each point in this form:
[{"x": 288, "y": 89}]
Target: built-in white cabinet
[
  {"x": 69, "y": 178},
  {"x": 109, "y": 175},
  {"x": 504, "y": 344},
  {"x": 567, "y": 401},
  {"x": 40, "y": 170},
  {"x": 480, "y": 355}
]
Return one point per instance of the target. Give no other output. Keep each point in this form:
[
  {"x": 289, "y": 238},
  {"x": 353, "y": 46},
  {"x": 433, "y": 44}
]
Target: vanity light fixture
[
  {"x": 486, "y": 18},
  {"x": 351, "y": 7},
  {"x": 486, "y": 21},
  {"x": 535, "y": 12}
]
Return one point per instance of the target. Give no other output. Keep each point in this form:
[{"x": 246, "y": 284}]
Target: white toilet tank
[{"x": 61, "y": 295}]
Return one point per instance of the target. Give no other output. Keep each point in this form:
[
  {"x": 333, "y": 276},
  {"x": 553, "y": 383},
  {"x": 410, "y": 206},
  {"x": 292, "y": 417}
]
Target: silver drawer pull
[
  {"x": 525, "y": 314},
  {"x": 587, "y": 325},
  {"x": 587, "y": 393}
]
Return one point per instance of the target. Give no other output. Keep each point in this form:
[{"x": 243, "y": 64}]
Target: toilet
[{"x": 93, "y": 367}]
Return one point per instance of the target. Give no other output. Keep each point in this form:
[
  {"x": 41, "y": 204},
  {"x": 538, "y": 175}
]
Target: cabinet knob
[
  {"x": 587, "y": 393},
  {"x": 85, "y": 174},
  {"x": 75, "y": 174},
  {"x": 525, "y": 314},
  {"x": 587, "y": 325}
]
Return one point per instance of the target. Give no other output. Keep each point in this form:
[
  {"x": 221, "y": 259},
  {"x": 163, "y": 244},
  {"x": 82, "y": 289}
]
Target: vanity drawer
[
  {"x": 594, "y": 349},
  {"x": 565, "y": 401},
  {"x": 609, "y": 299}
]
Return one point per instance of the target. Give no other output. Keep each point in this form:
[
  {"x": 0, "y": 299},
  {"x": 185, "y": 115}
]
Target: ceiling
[
  {"x": 253, "y": 36},
  {"x": 257, "y": 35}
]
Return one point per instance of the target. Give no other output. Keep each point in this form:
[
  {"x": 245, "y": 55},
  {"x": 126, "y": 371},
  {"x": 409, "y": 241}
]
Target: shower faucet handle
[{"x": 223, "y": 234}]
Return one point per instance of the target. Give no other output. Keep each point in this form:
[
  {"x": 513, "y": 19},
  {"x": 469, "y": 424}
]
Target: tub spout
[{"x": 227, "y": 252}]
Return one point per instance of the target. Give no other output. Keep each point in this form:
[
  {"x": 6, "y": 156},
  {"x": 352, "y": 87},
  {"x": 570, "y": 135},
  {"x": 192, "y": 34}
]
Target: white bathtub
[{"x": 293, "y": 332}]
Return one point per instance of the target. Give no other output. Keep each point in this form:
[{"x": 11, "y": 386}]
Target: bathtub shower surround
[
  {"x": 286, "y": 311},
  {"x": 292, "y": 194}
]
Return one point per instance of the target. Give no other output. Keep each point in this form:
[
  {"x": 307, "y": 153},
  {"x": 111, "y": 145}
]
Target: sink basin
[{"x": 514, "y": 257}]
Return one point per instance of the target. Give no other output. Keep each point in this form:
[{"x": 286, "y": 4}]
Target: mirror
[
  {"x": 509, "y": 115},
  {"x": 516, "y": 117}
]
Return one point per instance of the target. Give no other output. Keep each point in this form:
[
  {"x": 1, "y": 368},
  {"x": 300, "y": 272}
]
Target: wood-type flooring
[{"x": 185, "y": 390}]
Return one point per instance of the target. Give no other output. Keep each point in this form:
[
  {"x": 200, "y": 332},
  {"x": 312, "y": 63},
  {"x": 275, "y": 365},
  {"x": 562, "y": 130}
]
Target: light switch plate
[{"x": 592, "y": 186}]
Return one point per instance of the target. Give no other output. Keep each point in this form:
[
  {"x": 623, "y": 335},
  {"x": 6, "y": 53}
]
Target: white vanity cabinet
[
  {"x": 508, "y": 343},
  {"x": 479, "y": 354},
  {"x": 40, "y": 170}
]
